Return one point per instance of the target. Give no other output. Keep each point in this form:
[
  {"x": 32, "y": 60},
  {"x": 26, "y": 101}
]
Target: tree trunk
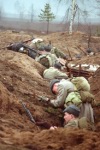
[
  {"x": 47, "y": 26},
  {"x": 72, "y": 16}
]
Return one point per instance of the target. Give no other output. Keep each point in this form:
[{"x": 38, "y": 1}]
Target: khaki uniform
[
  {"x": 86, "y": 109},
  {"x": 48, "y": 60},
  {"x": 57, "y": 52},
  {"x": 72, "y": 124},
  {"x": 37, "y": 45},
  {"x": 52, "y": 72},
  {"x": 64, "y": 88},
  {"x": 83, "y": 99},
  {"x": 81, "y": 123}
]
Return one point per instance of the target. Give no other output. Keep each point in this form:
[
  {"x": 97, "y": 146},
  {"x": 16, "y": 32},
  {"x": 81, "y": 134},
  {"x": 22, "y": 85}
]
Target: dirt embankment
[{"x": 21, "y": 79}]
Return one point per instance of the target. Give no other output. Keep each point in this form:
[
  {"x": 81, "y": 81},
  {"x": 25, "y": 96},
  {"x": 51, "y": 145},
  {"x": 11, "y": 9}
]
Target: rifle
[
  {"x": 42, "y": 98},
  {"x": 28, "y": 40},
  {"x": 31, "y": 49},
  {"x": 27, "y": 112},
  {"x": 38, "y": 123}
]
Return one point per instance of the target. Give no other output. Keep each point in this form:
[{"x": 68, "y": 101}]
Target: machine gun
[
  {"x": 17, "y": 43},
  {"x": 31, "y": 52},
  {"x": 23, "y": 48},
  {"x": 29, "y": 48}
]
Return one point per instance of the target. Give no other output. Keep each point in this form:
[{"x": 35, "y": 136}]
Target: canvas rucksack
[
  {"x": 47, "y": 60},
  {"x": 86, "y": 96},
  {"x": 81, "y": 83},
  {"x": 73, "y": 98}
]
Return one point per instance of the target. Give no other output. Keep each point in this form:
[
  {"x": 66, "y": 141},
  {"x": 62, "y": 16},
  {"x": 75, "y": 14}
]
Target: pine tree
[{"x": 46, "y": 15}]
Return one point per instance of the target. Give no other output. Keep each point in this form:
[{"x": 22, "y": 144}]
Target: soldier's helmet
[
  {"x": 72, "y": 109},
  {"x": 57, "y": 65},
  {"x": 47, "y": 48},
  {"x": 52, "y": 84}
]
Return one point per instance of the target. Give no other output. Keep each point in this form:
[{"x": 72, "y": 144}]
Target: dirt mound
[
  {"x": 21, "y": 79},
  {"x": 93, "y": 60},
  {"x": 95, "y": 84},
  {"x": 66, "y": 139},
  {"x": 65, "y": 42}
]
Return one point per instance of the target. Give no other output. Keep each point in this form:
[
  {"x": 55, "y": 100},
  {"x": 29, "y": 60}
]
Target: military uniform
[
  {"x": 47, "y": 60},
  {"x": 53, "y": 72},
  {"x": 83, "y": 88},
  {"x": 81, "y": 123},
  {"x": 72, "y": 123},
  {"x": 37, "y": 43},
  {"x": 58, "y": 53},
  {"x": 64, "y": 88},
  {"x": 18, "y": 47},
  {"x": 15, "y": 47}
]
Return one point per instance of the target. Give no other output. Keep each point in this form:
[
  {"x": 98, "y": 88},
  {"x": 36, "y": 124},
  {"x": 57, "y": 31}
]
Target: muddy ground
[{"x": 21, "y": 79}]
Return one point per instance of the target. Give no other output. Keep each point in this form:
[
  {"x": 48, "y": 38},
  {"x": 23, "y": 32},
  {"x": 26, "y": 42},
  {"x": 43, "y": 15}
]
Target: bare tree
[
  {"x": 20, "y": 9},
  {"x": 74, "y": 8},
  {"x": 98, "y": 6},
  {"x": 1, "y": 11},
  {"x": 89, "y": 35},
  {"x": 31, "y": 12}
]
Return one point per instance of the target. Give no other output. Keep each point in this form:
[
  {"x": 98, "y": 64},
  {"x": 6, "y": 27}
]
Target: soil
[{"x": 21, "y": 80}]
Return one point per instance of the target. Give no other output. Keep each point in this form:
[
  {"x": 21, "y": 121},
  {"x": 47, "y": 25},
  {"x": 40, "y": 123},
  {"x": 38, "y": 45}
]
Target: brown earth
[{"x": 21, "y": 79}]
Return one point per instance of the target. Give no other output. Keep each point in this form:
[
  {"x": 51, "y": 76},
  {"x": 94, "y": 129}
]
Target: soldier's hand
[
  {"x": 42, "y": 98},
  {"x": 53, "y": 127}
]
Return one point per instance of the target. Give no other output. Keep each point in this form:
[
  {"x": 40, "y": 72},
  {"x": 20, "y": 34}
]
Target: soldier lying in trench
[{"x": 54, "y": 72}]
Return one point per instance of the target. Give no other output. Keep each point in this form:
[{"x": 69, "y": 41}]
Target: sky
[{"x": 59, "y": 10}]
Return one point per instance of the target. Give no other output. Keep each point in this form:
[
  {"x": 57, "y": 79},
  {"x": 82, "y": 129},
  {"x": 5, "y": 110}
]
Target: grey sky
[{"x": 58, "y": 9}]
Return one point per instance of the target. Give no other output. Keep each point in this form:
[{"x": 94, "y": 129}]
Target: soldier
[
  {"x": 23, "y": 48},
  {"x": 47, "y": 60},
  {"x": 71, "y": 114},
  {"x": 17, "y": 47},
  {"x": 54, "y": 72},
  {"x": 37, "y": 43},
  {"x": 82, "y": 98},
  {"x": 71, "y": 119},
  {"x": 58, "y": 53},
  {"x": 61, "y": 88}
]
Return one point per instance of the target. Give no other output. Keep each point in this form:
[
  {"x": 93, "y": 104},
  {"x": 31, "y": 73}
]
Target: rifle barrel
[
  {"x": 28, "y": 112},
  {"x": 31, "y": 49}
]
